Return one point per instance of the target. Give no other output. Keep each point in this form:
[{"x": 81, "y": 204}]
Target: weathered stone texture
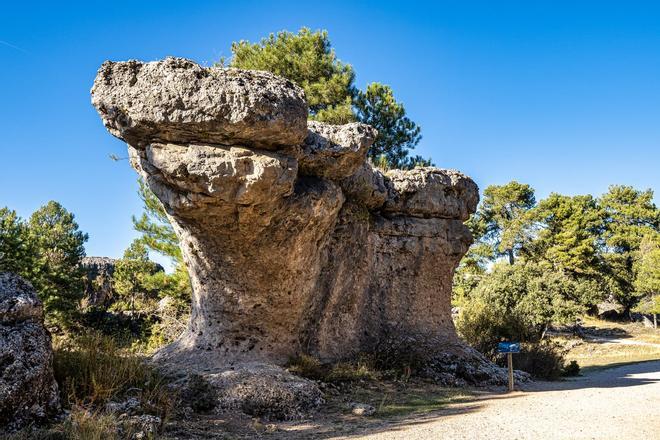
[
  {"x": 28, "y": 391},
  {"x": 177, "y": 100},
  {"x": 98, "y": 280},
  {"x": 294, "y": 242}
]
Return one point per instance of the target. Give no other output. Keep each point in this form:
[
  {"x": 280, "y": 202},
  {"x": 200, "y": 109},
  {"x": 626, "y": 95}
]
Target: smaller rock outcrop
[
  {"x": 28, "y": 391},
  {"x": 98, "y": 280},
  {"x": 99, "y": 276}
]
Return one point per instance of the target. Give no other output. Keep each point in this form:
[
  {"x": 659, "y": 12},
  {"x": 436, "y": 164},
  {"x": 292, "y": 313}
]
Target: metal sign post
[{"x": 509, "y": 348}]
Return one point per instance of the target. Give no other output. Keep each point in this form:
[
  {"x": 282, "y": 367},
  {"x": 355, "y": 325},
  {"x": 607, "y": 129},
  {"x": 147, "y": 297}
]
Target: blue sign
[{"x": 508, "y": 347}]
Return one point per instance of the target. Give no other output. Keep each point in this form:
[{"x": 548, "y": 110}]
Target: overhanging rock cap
[{"x": 177, "y": 100}]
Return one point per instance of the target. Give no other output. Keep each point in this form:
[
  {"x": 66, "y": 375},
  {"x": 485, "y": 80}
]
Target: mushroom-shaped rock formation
[{"x": 294, "y": 242}]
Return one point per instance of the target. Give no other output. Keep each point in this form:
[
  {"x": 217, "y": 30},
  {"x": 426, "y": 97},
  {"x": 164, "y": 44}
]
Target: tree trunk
[
  {"x": 655, "y": 320},
  {"x": 511, "y": 257}
]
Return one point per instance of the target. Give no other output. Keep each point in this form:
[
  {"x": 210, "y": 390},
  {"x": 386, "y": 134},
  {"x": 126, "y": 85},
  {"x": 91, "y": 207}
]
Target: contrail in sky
[{"x": 12, "y": 46}]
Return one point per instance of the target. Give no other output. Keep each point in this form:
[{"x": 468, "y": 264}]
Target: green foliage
[
  {"x": 566, "y": 254},
  {"x": 544, "y": 360},
  {"x": 629, "y": 216},
  {"x": 569, "y": 232},
  {"x": 482, "y": 324},
  {"x": 15, "y": 250},
  {"x": 157, "y": 232},
  {"x": 397, "y": 134},
  {"x": 470, "y": 272},
  {"x": 139, "y": 284},
  {"x": 307, "y": 59},
  {"x": 158, "y": 235},
  {"x": 132, "y": 279},
  {"x": 518, "y": 303},
  {"x": 647, "y": 270},
  {"x": 501, "y": 220},
  {"x": 57, "y": 246}
]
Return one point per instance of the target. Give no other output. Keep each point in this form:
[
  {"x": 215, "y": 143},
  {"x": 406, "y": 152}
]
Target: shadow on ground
[
  {"x": 423, "y": 404},
  {"x": 612, "y": 376}
]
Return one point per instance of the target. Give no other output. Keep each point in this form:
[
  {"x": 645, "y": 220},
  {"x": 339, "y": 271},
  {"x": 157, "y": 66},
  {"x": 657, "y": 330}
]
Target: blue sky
[{"x": 564, "y": 96}]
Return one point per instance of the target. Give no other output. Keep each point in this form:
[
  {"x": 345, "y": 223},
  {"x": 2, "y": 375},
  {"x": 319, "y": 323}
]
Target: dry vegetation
[
  {"x": 93, "y": 372},
  {"x": 635, "y": 344}
]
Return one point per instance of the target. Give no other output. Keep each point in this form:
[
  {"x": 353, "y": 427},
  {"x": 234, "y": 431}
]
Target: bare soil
[{"x": 616, "y": 403}]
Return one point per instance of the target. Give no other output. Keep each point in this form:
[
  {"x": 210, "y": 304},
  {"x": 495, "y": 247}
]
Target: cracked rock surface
[
  {"x": 28, "y": 391},
  {"x": 294, "y": 242}
]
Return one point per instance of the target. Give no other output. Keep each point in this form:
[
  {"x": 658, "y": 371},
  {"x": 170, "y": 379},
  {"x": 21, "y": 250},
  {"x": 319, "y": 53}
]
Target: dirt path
[
  {"x": 618, "y": 403},
  {"x": 622, "y": 341}
]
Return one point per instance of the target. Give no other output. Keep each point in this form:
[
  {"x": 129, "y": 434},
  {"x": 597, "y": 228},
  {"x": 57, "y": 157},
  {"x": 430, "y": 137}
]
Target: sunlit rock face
[
  {"x": 294, "y": 242},
  {"x": 28, "y": 391}
]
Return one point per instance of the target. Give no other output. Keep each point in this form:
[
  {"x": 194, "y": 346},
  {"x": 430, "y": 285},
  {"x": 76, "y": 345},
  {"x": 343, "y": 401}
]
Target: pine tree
[
  {"x": 58, "y": 247},
  {"x": 501, "y": 219},
  {"x": 307, "y": 59},
  {"x": 397, "y": 134},
  {"x": 15, "y": 250}
]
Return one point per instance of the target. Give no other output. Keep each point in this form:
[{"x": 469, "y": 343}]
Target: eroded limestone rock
[
  {"x": 177, "y": 100},
  {"x": 28, "y": 391},
  {"x": 99, "y": 272},
  {"x": 294, "y": 242}
]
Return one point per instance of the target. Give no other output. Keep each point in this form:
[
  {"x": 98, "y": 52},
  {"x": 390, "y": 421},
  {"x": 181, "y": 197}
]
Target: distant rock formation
[
  {"x": 28, "y": 391},
  {"x": 294, "y": 242},
  {"x": 98, "y": 280},
  {"x": 99, "y": 275}
]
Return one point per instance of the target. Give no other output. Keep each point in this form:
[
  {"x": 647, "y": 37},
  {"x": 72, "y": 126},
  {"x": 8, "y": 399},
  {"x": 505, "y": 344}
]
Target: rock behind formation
[
  {"x": 98, "y": 280},
  {"x": 28, "y": 391},
  {"x": 98, "y": 283},
  {"x": 294, "y": 242}
]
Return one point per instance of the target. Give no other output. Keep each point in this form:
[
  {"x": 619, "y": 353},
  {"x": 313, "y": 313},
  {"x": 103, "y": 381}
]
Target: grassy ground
[
  {"x": 600, "y": 354},
  {"x": 634, "y": 330}
]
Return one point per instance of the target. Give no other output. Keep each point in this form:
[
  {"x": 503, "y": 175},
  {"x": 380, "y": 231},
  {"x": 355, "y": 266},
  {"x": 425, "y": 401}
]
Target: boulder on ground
[
  {"x": 610, "y": 311},
  {"x": 28, "y": 391}
]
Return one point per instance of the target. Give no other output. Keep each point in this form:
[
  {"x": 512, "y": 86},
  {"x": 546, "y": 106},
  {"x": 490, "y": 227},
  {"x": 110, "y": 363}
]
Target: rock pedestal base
[{"x": 294, "y": 242}]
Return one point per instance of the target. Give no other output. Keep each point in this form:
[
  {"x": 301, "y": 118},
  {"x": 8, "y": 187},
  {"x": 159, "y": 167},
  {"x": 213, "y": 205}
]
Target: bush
[
  {"x": 90, "y": 425},
  {"x": 82, "y": 424},
  {"x": 541, "y": 360},
  {"x": 393, "y": 355},
  {"x": 352, "y": 371},
  {"x": 401, "y": 352},
  {"x": 482, "y": 326},
  {"x": 307, "y": 366},
  {"x": 311, "y": 368},
  {"x": 571, "y": 369},
  {"x": 544, "y": 360}
]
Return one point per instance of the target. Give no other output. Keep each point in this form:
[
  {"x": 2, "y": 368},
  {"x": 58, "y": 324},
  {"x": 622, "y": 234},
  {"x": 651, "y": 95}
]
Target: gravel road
[{"x": 618, "y": 403}]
